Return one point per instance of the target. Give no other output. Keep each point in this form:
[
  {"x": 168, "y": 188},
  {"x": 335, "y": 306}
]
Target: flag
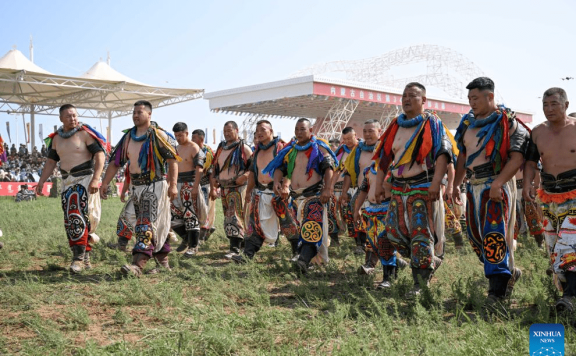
[
  {"x": 27, "y": 132},
  {"x": 40, "y": 132},
  {"x": 206, "y": 138},
  {"x": 3, "y": 153},
  {"x": 214, "y": 136},
  {"x": 55, "y": 128},
  {"x": 8, "y": 130}
]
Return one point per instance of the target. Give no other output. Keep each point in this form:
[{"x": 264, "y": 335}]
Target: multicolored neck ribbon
[
  {"x": 422, "y": 147},
  {"x": 340, "y": 153},
  {"x": 352, "y": 163},
  {"x": 278, "y": 144},
  {"x": 97, "y": 136},
  {"x": 237, "y": 158},
  {"x": 287, "y": 157},
  {"x": 493, "y": 136},
  {"x": 154, "y": 153},
  {"x": 209, "y": 156}
]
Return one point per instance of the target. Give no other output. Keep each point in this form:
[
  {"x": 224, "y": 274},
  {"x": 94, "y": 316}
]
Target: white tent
[{"x": 101, "y": 92}]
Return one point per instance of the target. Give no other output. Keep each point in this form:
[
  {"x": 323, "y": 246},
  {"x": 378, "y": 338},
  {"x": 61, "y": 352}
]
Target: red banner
[{"x": 12, "y": 188}]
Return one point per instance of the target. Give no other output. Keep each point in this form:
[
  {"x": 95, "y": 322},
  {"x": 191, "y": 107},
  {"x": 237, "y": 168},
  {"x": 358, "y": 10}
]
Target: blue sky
[{"x": 525, "y": 46}]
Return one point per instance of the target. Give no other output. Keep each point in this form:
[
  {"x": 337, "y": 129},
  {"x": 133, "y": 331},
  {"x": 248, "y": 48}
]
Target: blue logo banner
[{"x": 547, "y": 340}]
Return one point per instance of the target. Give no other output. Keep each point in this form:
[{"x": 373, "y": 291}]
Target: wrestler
[
  {"x": 81, "y": 152},
  {"x": 356, "y": 163},
  {"x": 268, "y": 212},
  {"x": 418, "y": 146},
  {"x": 303, "y": 170},
  {"x": 148, "y": 150},
  {"x": 189, "y": 207},
  {"x": 344, "y": 213},
  {"x": 553, "y": 143},
  {"x": 374, "y": 220},
  {"x": 231, "y": 169},
  {"x": 492, "y": 144},
  {"x": 207, "y": 229}
]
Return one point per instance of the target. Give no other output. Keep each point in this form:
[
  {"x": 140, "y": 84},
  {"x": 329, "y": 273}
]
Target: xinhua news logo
[{"x": 547, "y": 340}]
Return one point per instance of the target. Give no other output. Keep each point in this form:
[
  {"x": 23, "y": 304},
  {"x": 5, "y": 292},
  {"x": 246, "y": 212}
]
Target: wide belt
[
  {"x": 186, "y": 177},
  {"x": 564, "y": 182},
  {"x": 422, "y": 178},
  {"x": 482, "y": 171},
  {"x": 144, "y": 179}
]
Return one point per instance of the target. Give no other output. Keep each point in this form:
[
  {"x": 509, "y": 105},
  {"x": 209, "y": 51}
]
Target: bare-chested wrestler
[
  {"x": 356, "y": 163},
  {"x": 231, "y": 169},
  {"x": 492, "y": 144},
  {"x": 148, "y": 150},
  {"x": 198, "y": 136},
  {"x": 344, "y": 213},
  {"x": 553, "y": 142},
  {"x": 81, "y": 152},
  {"x": 417, "y": 146},
  {"x": 268, "y": 211},
  {"x": 189, "y": 207},
  {"x": 303, "y": 170}
]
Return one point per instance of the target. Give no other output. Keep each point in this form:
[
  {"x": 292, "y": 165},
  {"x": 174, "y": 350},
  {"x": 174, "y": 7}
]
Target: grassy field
[{"x": 208, "y": 306}]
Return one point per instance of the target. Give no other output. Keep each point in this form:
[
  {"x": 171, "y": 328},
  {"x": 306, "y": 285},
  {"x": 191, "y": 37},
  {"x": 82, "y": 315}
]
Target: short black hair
[
  {"x": 561, "y": 93},
  {"x": 374, "y": 121},
  {"x": 347, "y": 130},
  {"x": 146, "y": 103},
  {"x": 303, "y": 119},
  {"x": 481, "y": 83},
  {"x": 232, "y": 123},
  {"x": 199, "y": 133},
  {"x": 66, "y": 107},
  {"x": 334, "y": 140},
  {"x": 180, "y": 127},
  {"x": 572, "y": 114},
  {"x": 264, "y": 122},
  {"x": 417, "y": 85}
]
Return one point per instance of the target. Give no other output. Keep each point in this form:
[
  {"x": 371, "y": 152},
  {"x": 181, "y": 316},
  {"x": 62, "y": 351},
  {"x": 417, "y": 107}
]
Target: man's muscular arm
[
  {"x": 172, "y": 178},
  {"x": 509, "y": 171},
  {"x": 439, "y": 171},
  {"x": 241, "y": 180},
  {"x": 108, "y": 176},
  {"x": 528, "y": 188},
  {"x": 459, "y": 175}
]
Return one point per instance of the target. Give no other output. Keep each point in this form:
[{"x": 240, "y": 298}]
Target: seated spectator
[{"x": 25, "y": 194}]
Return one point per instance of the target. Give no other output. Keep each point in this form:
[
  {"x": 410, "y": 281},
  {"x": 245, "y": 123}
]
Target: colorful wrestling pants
[
  {"x": 313, "y": 221},
  {"x": 348, "y": 213},
  {"x": 452, "y": 222},
  {"x": 340, "y": 220},
  {"x": 233, "y": 208},
  {"x": 147, "y": 216},
  {"x": 414, "y": 224},
  {"x": 374, "y": 216},
  {"x": 81, "y": 209},
  {"x": 560, "y": 231},
  {"x": 491, "y": 224},
  {"x": 211, "y": 204},
  {"x": 268, "y": 214},
  {"x": 527, "y": 215},
  {"x": 187, "y": 211}
]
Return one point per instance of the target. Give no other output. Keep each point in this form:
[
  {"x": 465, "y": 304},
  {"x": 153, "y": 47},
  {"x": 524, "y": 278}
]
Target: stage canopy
[
  {"x": 101, "y": 92},
  {"x": 333, "y": 103}
]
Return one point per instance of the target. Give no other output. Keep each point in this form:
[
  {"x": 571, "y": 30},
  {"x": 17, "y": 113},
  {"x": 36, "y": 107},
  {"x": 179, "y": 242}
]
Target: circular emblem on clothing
[
  {"x": 311, "y": 231},
  {"x": 494, "y": 247}
]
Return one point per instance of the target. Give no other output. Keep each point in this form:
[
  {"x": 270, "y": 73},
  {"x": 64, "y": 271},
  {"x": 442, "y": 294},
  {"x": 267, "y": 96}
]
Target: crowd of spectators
[{"x": 23, "y": 166}]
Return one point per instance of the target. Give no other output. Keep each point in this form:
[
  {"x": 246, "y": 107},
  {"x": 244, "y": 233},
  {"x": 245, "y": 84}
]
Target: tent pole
[
  {"x": 32, "y": 129},
  {"x": 110, "y": 127}
]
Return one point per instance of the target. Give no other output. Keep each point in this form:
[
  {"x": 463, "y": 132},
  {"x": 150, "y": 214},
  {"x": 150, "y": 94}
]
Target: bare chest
[
  {"x": 185, "y": 152},
  {"x": 134, "y": 150},
  {"x": 70, "y": 145},
  {"x": 264, "y": 157},
  {"x": 223, "y": 157},
  {"x": 402, "y": 137}
]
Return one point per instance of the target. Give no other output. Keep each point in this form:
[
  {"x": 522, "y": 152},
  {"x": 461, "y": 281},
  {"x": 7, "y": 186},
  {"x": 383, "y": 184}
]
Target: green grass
[{"x": 208, "y": 306}]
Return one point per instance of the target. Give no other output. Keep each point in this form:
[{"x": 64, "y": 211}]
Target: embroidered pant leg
[
  {"x": 348, "y": 216},
  {"x": 232, "y": 205},
  {"x": 490, "y": 227},
  {"x": 420, "y": 218},
  {"x": 152, "y": 208},
  {"x": 560, "y": 233},
  {"x": 375, "y": 217},
  {"x": 183, "y": 209},
  {"x": 313, "y": 218},
  {"x": 452, "y": 224},
  {"x": 287, "y": 218},
  {"x": 533, "y": 217},
  {"x": 396, "y": 228},
  {"x": 75, "y": 204},
  {"x": 332, "y": 218}
]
